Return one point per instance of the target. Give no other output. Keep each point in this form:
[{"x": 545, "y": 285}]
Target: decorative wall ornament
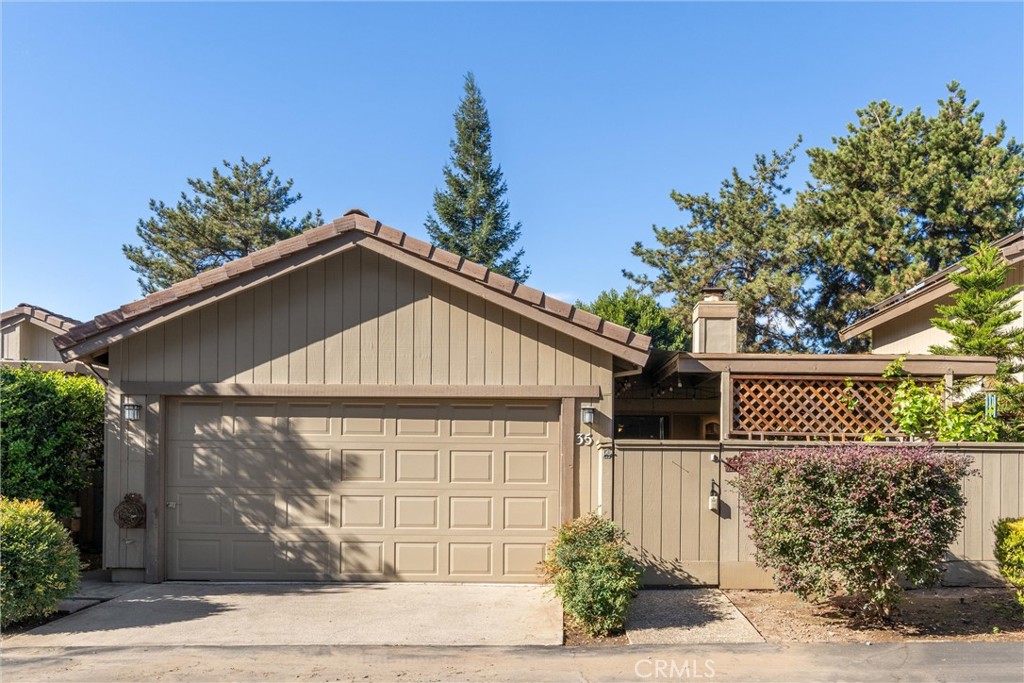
[{"x": 130, "y": 513}]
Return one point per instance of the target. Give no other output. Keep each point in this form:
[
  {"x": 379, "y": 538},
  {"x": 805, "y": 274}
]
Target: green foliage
[
  {"x": 897, "y": 198},
  {"x": 984, "y": 320},
  {"x": 744, "y": 240},
  {"x": 1009, "y": 552},
  {"x": 852, "y": 520},
  {"x": 921, "y": 412},
  {"x": 592, "y": 573},
  {"x": 641, "y": 313},
  {"x": 472, "y": 213},
  {"x": 230, "y": 216},
  {"x": 38, "y": 561},
  {"x": 51, "y": 435}
]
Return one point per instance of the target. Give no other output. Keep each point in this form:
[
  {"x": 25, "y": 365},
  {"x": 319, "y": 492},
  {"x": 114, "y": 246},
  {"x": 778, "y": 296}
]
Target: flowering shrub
[
  {"x": 592, "y": 573},
  {"x": 1009, "y": 553},
  {"x": 852, "y": 519}
]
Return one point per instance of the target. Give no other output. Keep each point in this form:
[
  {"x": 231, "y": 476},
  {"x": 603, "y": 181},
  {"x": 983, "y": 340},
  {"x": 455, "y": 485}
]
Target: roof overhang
[
  {"x": 825, "y": 365},
  {"x": 929, "y": 290},
  {"x": 354, "y": 229}
]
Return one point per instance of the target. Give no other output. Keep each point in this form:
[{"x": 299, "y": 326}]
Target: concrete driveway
[{"x": 206, "y": 614}]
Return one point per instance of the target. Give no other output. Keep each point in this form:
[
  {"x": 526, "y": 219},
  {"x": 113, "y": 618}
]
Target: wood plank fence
[{"x": 658, "y": 493}]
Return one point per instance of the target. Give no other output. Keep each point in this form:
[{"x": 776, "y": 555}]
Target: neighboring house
[
  {"x": 355, "y": 404},
  {"x": 902, "y": 324},
  {"x": 26, "y": 335}
]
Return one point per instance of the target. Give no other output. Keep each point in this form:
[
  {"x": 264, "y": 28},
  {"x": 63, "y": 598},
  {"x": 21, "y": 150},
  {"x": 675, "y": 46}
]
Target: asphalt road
[{"x": 950, "y": 661}]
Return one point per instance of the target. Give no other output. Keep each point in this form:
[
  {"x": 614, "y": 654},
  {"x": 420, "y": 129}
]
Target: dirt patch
[
  {"x": 577, "y": 637},
  {"x": 970, "y": 614}
]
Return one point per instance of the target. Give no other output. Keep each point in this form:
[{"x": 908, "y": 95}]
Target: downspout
[{"x": 104, "y": 382}]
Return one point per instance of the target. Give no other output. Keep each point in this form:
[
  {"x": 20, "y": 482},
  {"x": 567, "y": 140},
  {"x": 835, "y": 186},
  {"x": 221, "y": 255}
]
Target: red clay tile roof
[
  {"x": 41, "y": 314},
  {"x": 354, "y": 220}
]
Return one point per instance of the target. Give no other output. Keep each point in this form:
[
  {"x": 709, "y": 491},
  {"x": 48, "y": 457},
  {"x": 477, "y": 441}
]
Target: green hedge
[
  {"x": 51, "y": 435},
  {"x": 1009, "y": 553},
  {"x": 593, "y": 574},
  {"x": 38, "y": 562}
]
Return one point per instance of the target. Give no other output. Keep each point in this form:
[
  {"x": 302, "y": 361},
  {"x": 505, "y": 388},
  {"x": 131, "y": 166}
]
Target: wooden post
[{"x": 154, "y": 491}]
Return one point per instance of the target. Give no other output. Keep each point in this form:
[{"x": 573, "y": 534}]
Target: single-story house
[
  {"x": 26, "y": 335},
  {"x": 356, "y": 404},
  {"x": 902, "y": 324}
]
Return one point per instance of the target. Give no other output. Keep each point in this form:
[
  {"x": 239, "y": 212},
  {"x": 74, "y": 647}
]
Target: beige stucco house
[{"x": 902, "y": 324}]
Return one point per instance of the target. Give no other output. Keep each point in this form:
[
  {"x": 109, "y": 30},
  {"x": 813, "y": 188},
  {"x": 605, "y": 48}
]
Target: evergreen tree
[
  {"x": 902, "y": 195},
  {"x": 743, "y": 240},
  {"x": 641, "y": 313},
  {"x": 225, "y": 218},
  {"x": 985, "y": 320},
  {"x": 472, "y": 213}
]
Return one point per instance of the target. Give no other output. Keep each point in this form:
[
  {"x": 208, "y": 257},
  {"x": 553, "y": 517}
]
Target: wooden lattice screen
[{"x": 776, "y": 406}]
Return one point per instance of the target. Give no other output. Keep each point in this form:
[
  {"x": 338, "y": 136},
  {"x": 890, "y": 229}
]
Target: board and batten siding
[
  {"x": 357, "y": 318},
  {"x": 25, "y": 341}
]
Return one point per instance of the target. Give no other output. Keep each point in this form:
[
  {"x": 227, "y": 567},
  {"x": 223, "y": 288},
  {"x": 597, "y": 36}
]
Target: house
[
  {"x": 350, "y": 403},
  {"x": 902, "y": 324},
  {"x": 355, "y": 404},
  {"x": 26, "y": 335}
]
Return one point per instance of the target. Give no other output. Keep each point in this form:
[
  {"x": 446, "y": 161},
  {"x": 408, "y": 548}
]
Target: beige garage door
[{"x": 340, "y": 490}]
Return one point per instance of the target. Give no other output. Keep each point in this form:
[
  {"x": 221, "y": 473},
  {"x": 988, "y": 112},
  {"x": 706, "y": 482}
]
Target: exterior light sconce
[
  {"x": 587, "y": 415},
  {"x": 131, "y": 411}
]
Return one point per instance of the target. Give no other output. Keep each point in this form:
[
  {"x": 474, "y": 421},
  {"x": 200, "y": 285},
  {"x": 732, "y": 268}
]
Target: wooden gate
[{"x": 659, "y": 495}]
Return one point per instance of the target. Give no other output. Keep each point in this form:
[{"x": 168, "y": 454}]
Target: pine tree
[
  {"x": 901, "y": 196},
  {"x": 225, "y": 218},
  {"x": 984, "y": 320},
  {"x": 472, "y": 213},
  {"x": 743, "y": 240}
]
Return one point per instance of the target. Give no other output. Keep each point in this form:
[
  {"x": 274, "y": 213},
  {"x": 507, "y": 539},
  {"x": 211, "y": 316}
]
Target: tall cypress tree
[{"x": 472, "y": 214}]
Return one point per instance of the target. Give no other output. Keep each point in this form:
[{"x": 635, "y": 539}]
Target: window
[{"x": 640, "y": 426}]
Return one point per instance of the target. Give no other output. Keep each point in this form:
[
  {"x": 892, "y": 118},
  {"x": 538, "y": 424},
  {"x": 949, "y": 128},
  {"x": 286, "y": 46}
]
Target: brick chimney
[{"x": 714, "y": 322}]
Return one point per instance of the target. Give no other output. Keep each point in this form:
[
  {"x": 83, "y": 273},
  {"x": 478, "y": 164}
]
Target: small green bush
[
  {"x": 591, "y": 571},
  {"x": 852, "y": 519},
  {"x": 1009, "y": 553},
  {"x": 51, "y": 435},
  {"x": 38, "y": 561}
]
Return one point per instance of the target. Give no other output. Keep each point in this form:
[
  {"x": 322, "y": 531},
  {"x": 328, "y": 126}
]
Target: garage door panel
[{"x": 317, "y": 490}]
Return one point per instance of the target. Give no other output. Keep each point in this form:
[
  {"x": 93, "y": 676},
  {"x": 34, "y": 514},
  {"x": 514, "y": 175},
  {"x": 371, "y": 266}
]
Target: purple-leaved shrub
[{"x": 852, "y": 519}]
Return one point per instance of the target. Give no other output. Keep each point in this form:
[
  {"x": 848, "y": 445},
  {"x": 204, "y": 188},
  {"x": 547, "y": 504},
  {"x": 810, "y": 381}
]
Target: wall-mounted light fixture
[
  {"x": 131, "y": 411},
  {"x": 587, "y": 415}
]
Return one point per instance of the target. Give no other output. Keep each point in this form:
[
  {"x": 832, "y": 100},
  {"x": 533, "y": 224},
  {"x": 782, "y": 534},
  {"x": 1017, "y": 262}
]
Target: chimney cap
[
  {"x": 713, "y": 293},
  {"x": 356, "y": 211}
]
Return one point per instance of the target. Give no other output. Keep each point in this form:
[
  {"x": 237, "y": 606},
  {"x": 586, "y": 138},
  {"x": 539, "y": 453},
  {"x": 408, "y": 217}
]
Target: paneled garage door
[{"x": 340, "y": 490}]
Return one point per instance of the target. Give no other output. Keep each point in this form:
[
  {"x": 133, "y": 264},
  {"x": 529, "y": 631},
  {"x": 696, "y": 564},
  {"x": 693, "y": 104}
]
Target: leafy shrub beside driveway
[
  {"x": 38, "y": 561},
  {"x": 852, "y": 519},
  {"x": 1009, "y": 553},
  {"x": 51, "y": 435},
  {"x": 591, "y": 571}
]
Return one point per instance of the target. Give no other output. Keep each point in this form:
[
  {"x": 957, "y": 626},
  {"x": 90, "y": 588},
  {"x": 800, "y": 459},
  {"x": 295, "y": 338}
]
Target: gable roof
[
  {"x": 355, "y": 227},
  {"x": 932, "y": 288},
  {"x": 56, "y": 323}
]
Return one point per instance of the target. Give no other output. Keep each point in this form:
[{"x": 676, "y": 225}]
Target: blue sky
[{"x": 597, "y": 110}]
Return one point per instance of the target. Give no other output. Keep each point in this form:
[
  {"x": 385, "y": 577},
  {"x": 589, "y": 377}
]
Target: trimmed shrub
[
  {"x": 51, "y": 435},
  {"x": 38, "y": 561},
  {"x": 1009, "y": 553},
  {"x": 852, "y": 519},
  {"x": 591, "y": 571}
]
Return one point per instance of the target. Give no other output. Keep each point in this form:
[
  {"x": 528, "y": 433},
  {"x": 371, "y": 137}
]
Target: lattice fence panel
[{"x": 797, "y": 406}]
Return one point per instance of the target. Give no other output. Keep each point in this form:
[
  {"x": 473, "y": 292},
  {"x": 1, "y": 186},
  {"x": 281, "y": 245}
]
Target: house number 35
[{"x": 584, "y": 439}]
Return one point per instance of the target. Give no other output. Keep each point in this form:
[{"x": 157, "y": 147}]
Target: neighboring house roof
[
  {"x": 355, "y": 227},
  {"x": 928, "y": 290},
  {"x": 56, "y": 323}
]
